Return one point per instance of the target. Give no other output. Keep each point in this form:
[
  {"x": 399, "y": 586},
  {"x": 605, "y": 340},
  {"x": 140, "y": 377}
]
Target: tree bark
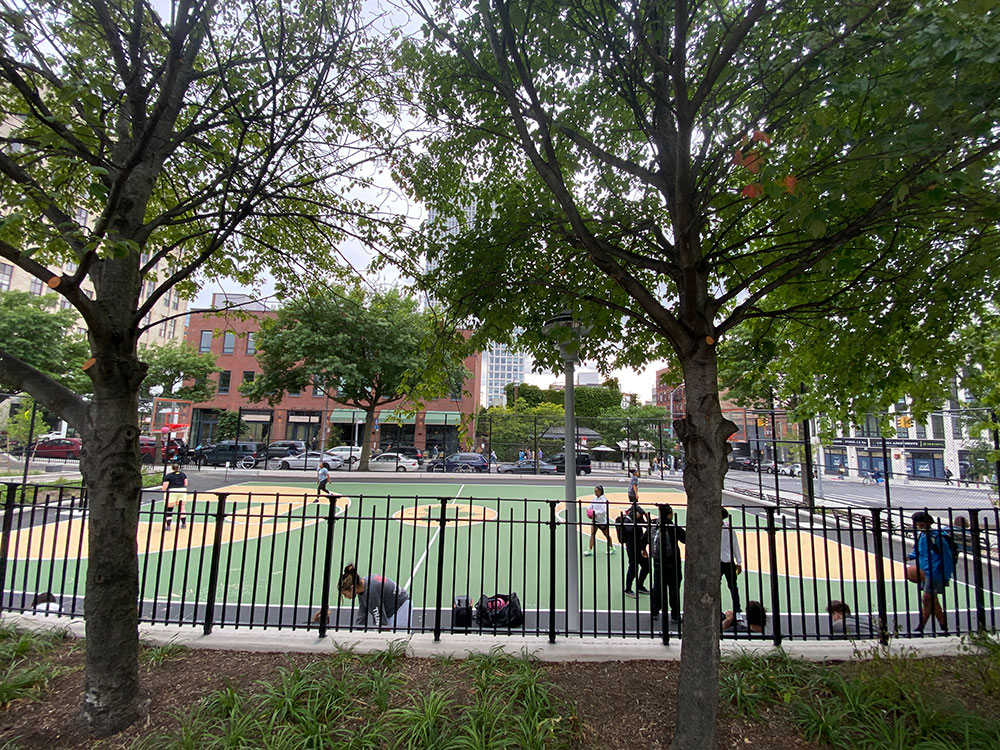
[
  {"x": 366, "y": 444},
  {"x": 704, "y": 432},
  {"x": 111, "y": 473}
]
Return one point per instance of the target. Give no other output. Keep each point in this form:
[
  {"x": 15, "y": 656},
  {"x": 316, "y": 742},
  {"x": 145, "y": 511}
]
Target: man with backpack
[
  {"x": 632, "y": 528},
  {"x": 934, "y": 564}
]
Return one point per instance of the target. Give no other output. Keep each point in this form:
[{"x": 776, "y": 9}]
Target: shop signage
[{"x": 862, "y": 442}]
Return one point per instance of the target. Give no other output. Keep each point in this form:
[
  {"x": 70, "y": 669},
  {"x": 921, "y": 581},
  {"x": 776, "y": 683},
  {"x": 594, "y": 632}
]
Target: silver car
[{"x": 309, "y": 460}]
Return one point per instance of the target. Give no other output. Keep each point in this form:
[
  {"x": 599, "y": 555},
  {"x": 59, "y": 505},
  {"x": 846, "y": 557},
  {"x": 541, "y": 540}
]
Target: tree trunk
[
  {"x": 366, "y": 444},
  {"x": 110, "y": 466},
  {"x": 704, "y": 432}
]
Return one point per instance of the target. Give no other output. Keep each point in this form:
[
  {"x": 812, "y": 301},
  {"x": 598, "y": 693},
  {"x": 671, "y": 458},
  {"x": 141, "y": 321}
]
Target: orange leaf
[
  {"x": 790, "y": 183},
  {"x": 752, "y": 191},
  {"x": 759, "y": 135},
  {"x": 752, "y": 162},
  {"x": 738, "y": 157}
]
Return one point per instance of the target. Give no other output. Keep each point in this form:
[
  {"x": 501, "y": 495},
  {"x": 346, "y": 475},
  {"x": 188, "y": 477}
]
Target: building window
[
  {"x": 6, "y": 271},
  {"x": 248, "y": 376},
  {"x": 224, "y": 378},
  {"x": 251, "y": 345},
  {"x": 229, "y": 342},
  {"x": 171, "y": 329},
  {"x": 166, "y": 299},
  {"x": 317, "y": 388},
  {"x": 296, "y": 392},
  {"x": 205, "y": 343},
  {"x": 921, "y": 431},
  {"x": 937, "y": 426},
  {"x": 36, "y": 286}
]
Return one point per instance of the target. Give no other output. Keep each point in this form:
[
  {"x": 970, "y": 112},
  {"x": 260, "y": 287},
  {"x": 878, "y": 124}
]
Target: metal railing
[{"x": 264, "y": 560}]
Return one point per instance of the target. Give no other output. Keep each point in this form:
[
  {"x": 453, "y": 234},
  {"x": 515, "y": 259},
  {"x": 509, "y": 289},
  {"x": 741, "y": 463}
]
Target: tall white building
[{"x": 501, "y": 365}]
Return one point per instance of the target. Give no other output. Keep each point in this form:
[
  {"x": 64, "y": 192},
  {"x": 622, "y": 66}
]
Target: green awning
[
  {"x": 356, "y": 416},
  {"x": 347, "y": 416},
  {"x": 443, "y": 417}
]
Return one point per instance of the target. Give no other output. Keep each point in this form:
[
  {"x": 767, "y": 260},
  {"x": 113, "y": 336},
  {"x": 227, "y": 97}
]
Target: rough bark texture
[{"x": 704, "y": 433}]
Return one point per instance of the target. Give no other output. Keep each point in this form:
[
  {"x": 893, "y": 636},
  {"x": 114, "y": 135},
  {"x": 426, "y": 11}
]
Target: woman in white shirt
[{"x": 597, "y": 512}]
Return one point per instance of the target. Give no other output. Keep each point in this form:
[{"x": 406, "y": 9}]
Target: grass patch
[
  {"x": 153, "y": 656},
  {"x": 355, "y": 701},
  {"x": 24, "y": 667},
  {"x": 885, "y": 701}
]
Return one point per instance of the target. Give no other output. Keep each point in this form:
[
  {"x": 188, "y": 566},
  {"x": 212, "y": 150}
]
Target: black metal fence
[{"x": 264, "y": 560}]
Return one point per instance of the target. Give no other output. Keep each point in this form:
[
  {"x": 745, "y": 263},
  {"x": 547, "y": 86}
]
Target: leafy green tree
[
  {"x": 215, "y": 139},
  {"x": 366, "y": 349},
  {"x": 526, "y": 395},
  {"x": 508, "y": 431},
  {"x": 34, "y": 331},
  {"x": 592, "y": 402},
  {"x": 667, "y": 172},
  {"x": 229, "y": 426},
  {"x": 19, "y": 426},
  {"x": 180, "y": 370}
]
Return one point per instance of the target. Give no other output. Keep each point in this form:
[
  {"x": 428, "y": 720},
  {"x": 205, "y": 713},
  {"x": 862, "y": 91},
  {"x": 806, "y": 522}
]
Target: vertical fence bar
[
  {"x": 886, "y": 466},
  {"x": 553, "y": 525},
  {"x": 660, "y": 583},
  {"x": 8, "y": 523},
  {"x": 883, "y": 615},
  {"x": 977, "y": 572},
  {"x": 213, "y": 571},
  {"x": 440, "y": 570},
  {"x": 324, "y": 597}
]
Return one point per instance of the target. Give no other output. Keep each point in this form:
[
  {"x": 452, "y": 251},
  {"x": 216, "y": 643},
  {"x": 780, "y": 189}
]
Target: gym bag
[{"x": 500, "y": 611}]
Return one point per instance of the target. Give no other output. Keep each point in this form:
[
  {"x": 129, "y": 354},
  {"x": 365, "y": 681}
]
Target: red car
[{"x": 58, "y": 448}]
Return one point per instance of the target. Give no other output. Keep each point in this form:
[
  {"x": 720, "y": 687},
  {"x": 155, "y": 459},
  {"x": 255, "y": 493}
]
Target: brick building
[{"x": 309, "y": 415}]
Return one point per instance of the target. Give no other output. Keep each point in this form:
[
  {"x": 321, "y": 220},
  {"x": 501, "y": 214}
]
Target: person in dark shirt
[
  {"x": 174, "y": 493},
  {"x": 667, "y": 565}
]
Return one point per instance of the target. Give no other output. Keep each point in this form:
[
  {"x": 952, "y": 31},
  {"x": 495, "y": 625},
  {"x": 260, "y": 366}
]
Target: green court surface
[{"x": 497, "y": 539}]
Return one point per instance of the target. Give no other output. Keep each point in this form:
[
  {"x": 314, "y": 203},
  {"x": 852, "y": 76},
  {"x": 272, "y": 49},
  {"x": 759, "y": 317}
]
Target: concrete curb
[{"x": 459, "y": 646}]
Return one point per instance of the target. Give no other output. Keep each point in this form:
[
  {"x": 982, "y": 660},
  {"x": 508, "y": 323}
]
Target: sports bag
[{"x": 500, "y": 611}]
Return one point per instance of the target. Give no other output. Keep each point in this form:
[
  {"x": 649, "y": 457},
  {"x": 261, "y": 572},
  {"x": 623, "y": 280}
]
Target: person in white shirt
[
  {"x": 731, "y": 562},
  {"x": 597, "y": 512}
]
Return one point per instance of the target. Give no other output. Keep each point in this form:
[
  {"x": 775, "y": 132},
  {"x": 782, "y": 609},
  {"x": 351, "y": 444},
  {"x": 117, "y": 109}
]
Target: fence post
[
  {"x": 660, "y": 581},
  {"x": 977, "y": 572},
  {"x": 213, "y": 570},
  {"x": 553, "y": 524},
  {"x": 324, "y": 612},
  {"x": 886, "y": 471},
  {"x": 440, "y": 570},
  {"x": 883, "y": 615},
  {"x": 8, "y": 523},
  {"x": 772, "y": 556}
]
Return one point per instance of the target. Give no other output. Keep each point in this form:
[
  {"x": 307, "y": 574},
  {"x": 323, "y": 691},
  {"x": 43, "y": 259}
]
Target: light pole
[{"x": 568, "y": 333}]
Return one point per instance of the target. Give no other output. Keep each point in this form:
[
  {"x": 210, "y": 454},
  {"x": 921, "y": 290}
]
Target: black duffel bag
[{"x": 500, "y": 611}]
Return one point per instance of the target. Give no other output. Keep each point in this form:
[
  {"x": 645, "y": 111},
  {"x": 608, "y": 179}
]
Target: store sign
[{"x": 860, "y": 442}]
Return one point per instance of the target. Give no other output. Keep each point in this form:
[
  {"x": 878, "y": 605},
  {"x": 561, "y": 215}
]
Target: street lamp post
[{"x": 569, "y": 345}]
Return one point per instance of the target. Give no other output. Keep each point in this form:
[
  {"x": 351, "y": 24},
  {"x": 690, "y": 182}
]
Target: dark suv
[
  {"x": 230, "y": 452},
  {"x": 582, "y": 463},
  {"x": 460, "y": 462},
  {"x": 282, "y": 448}
]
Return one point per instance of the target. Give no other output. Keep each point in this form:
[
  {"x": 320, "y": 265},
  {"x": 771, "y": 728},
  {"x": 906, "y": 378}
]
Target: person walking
[
  {"x": 634, "y": 524},
  {"x": 667, "y": 565},
  {"x": 947, "y": 476},
  {"x": 933, "y": 567},
  {"x": 322, "y": 477},
  {"x": 633, "y": 486},
  {"x": 597, "y": 512},
  {"x": 174, "y": 489},
  {"x": 731, "y": 562},
  {"x": 382, "y": 604}
]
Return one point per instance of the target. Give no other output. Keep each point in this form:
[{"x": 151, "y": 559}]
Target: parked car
[
  {"x": 58, "y": 448},
  {"x": 349, "y": 454},
  {"x": 464, "y": 462},
  {"x": 785, "y": 469},
  {"x": 743, "y": 463},
  {"x": 307, "y": 460},
  {"x": 582, "y": 463},
  {"x": 148, "y": 444},
  {"x": 526, "y": 466},
  {"x": 281, "y": 448},
  {"x": 407, "y": 450},
  {"x": 393, "y": 462},
  {"x": 231, "y": 452}
]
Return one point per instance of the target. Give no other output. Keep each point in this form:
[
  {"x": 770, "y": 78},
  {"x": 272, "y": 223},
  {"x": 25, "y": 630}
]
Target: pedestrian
[
  {"x": 322, "y": 477},
  {"x": 667, "y": 565},
  {"x": 45, "y": 602},
  {"x": 634, "y": 525},
  {"x": 597, "y": 512},
  {"x": 840, "y": 471},
  {"x": 493, "y": 458},
  {"x": 539, "y": 454},
  {"x": 174, "y": 489},
  {"x": 947, "y": 475},
  {"x": 436, "y": 452},
  {"x": 633, "y": 486},
  {"x": 520, "y": 455},
  {"x": 933, "y": 567},
  {"x": 731, "y": 562},
  {"x": 382, "y": 605}
]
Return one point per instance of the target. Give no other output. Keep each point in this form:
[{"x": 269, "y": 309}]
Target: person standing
[
  {"x": 597, "y": 512},
  {"x": 174, "y": 489},
  {"x": 667, "y": 565},
  {"x": 934, "y": 565},
  {"x": 635, "y": 534},
  {"x": 322, "y": 477},
  {"x": 633, "y": 486},
  {"x": 382, "y": 604},
  {"x": 731, "y": 562}
]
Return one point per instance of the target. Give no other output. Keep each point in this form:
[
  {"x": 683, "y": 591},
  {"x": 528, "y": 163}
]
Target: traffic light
[
  {"x": 762, "y": 421},
  {"x": 904, "y": 421}
]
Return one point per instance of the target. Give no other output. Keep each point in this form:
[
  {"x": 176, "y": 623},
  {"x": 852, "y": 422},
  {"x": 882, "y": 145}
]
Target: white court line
[{"x": 413, "y": 573}]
